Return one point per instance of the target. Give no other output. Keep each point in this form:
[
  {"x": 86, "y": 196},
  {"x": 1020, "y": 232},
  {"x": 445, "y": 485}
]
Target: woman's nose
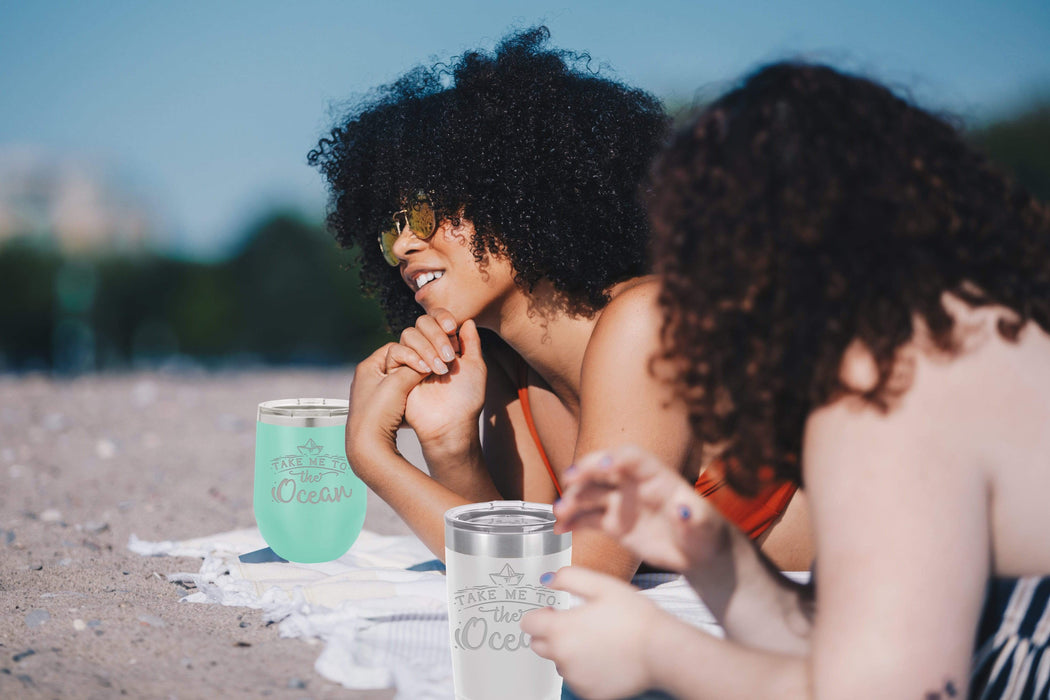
[{"x": 406, "y": 243}]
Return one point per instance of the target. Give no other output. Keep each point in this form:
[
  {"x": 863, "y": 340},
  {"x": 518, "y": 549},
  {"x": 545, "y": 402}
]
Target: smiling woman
[{"x": 495, "y": 203}]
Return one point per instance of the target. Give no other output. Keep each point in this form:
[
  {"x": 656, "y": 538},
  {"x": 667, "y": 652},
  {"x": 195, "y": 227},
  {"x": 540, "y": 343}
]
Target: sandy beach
[{"x": 85, "y": 463}]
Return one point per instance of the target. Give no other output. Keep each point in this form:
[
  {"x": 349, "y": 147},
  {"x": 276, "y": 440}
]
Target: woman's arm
[
  {"x": 444, "y": 408},
  {"x": 617, "y": 628},
  {"x": 380, "y": 397},
  {"x": 520, "y": 472},
  {"x": 900, "y": 510},
  {"x": 622, "y": 403},
  {"x": 651, "y": 510},
  {"x": 900, "y": 507}
]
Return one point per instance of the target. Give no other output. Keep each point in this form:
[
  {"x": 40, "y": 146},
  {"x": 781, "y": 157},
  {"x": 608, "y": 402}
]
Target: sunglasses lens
[
  {"x": 386, "y": 245},
  {"x": 421, "y": 219}
]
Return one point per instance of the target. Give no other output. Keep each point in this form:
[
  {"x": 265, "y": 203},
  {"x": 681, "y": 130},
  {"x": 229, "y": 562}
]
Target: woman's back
[
  {"x": 1004, "y": 413},
  {"x": 980, "y": 412}
]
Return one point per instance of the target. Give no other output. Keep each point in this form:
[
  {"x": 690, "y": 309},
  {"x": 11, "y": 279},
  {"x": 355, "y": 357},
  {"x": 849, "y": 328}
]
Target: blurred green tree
[
  {"x": 298, "y": 297},
  {"x": 27, "y": 306},
  {"x": 287, "y": 295},
  {"x": 1021, "y": 145}
]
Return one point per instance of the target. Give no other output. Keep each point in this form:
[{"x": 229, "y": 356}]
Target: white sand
[{"x": 86, "y": 462}]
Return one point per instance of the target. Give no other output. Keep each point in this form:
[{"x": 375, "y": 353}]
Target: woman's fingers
[
  {"x": 445, "y": 320},
  {"x": 433, "y": 327},
  {"x": 615, "y": 467},
  {"x": 582, "y": 505},
  {"x": 581, "y": 582},
  {"x": 587, "y": 584},
  {"x": 398, "y": 355},
  {"x": 434, "y": 340},
  {"x": 470, "y": 341},
  {"x": 537, "y": 623},
  {"x": 413, "y": 339}
]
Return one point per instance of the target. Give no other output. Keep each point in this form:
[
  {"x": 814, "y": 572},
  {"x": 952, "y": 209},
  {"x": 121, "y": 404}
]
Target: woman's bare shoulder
[
  {"x": 631, "y": 316},
  {"x": 625, "y": 343}
]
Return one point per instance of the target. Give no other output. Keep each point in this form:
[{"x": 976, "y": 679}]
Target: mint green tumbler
[{"x": 309, "y": 504}]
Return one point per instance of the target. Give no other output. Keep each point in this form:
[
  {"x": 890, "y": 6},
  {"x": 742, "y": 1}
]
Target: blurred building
[{"x": 77, "y": 205}]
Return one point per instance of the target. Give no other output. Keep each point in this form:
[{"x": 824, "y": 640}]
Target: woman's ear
[{"x": 858, "y": 371}]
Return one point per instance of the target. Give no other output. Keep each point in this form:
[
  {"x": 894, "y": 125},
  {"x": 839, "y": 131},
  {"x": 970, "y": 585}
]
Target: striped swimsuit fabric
[{"x": 1011, "y": 658}]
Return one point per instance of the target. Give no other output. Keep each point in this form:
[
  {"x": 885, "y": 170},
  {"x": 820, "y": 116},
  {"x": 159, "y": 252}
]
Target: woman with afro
[
  {"x": 854, "y": 300},
  {"x": 496, "y": 207}
]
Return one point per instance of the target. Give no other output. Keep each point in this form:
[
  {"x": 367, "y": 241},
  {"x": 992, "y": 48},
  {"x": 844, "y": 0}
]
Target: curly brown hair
[{"x": 807, "y": 209}]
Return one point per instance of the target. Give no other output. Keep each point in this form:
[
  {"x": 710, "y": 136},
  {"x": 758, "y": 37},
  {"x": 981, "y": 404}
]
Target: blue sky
[{"x": 209, "y": 108}]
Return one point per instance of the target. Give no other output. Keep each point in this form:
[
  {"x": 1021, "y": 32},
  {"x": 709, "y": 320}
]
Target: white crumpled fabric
[{"x": 383, "y": 626}]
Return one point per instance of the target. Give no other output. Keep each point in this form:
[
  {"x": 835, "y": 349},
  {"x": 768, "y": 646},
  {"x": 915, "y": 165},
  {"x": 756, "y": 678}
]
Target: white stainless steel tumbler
[{"x": 495, "y": 553}]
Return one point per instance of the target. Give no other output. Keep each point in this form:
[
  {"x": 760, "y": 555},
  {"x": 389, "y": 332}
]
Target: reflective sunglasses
[{"x": 418, "y": 217}]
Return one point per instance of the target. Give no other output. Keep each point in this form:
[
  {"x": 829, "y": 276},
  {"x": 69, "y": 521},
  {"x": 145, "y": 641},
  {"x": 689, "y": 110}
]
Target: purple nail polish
[
  {"x": 547, "y": 578},
  {"x": 605, "y": 462},
  {"x": 684, "y": 513}
]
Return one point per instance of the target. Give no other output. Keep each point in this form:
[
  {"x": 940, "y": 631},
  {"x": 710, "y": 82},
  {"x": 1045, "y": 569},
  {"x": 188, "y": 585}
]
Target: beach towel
[{"x": 380, "y": 609}]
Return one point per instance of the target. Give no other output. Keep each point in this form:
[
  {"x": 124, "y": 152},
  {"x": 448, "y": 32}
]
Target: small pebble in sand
[
  {"x": 37, "y": 617},
  {"x": 16, "y": 470},
  {"x": 152, "y": 621},
  {"x": 296, "y": 683},
  {"x": 56, "y": 422},
  {"x": 18, "y": 657},
  {"x": 144, "y": 393},
  {"x": 94, "y": 527},
  {"x": 231, "y": 422},
  {"x": 51, "y": 515},
  {"x": 79, "y": 625},
  {"x": 105, "y": 449}
]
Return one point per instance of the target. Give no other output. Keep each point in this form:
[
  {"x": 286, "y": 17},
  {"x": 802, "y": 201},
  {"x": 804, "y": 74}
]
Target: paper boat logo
[
  {"x": 506, "y": 576},
  {"x": 311, "y": 448}
]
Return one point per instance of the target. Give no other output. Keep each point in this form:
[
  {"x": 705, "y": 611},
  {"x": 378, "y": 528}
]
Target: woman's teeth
[{"x": 427, "y": 277}]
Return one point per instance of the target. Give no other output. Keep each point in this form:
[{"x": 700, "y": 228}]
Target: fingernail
[
  {"x": 424, "y": 366},
  {"x": 448, "y": 325},
  {"x": 439, "y": 366},
  {"x": 605, "y": 462},
  {"x": 447, "y": 355},
  {"x": 570, "y": 469},
  {"x": 547, "y": 578},
  {"x": 684, "y": 513}
]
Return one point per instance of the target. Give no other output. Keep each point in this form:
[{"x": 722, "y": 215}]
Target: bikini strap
[{"x": 523, "y": 397}]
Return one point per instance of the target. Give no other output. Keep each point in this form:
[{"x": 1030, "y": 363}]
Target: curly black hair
[
  {"x": 543, "y": 155},
  {"x": 807, "y": 209}
]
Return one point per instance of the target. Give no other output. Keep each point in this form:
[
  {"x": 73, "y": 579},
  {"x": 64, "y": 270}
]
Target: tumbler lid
[
  {"x": 304, "y": 413},
  {"x": 503, "y": 529}
]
